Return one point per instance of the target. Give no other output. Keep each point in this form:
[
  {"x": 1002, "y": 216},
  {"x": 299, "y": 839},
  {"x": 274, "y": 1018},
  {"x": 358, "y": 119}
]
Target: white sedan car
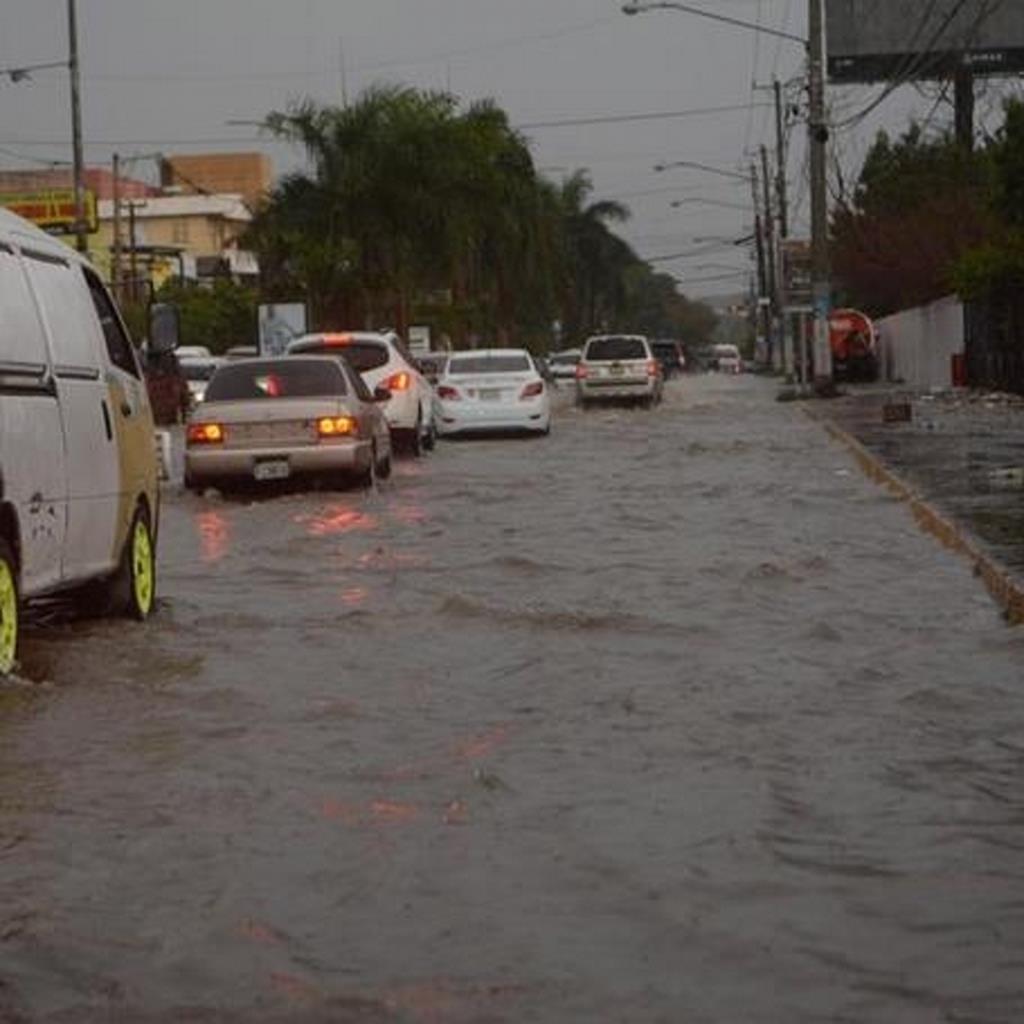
[
  {"x": 493, "y": 390},
  {"x": 384, "y": 361}
]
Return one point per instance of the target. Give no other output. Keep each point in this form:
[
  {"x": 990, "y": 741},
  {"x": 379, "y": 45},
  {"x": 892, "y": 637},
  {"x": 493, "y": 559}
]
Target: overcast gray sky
[{"x": 169, "y": 76}]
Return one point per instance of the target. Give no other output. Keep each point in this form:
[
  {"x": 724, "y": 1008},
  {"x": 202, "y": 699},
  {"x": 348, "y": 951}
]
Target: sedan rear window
[
  {"x": 276, "y": 378},
  {"x": 490, "y": 364},
  {"x": 616, "y": 348},
  {"x": 360, "y": 355}
]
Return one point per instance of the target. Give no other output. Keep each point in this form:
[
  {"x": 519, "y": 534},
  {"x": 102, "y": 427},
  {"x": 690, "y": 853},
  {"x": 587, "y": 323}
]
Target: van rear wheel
[
  {"x": 132, "y": 591},
  {"x": 8, "y": 609}
]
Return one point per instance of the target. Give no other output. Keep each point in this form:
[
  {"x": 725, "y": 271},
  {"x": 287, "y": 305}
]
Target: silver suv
[{"x": 618, "y": 366}]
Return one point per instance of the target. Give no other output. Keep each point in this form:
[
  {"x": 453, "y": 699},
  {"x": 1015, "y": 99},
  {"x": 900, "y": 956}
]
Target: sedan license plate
[
  {"x": 489, "y": 394},
  {"x": 272, "y": 469}
]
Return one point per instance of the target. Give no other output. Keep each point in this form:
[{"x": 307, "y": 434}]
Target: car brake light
[
  {"x": 205, "y": 433},
  {"x": 398, "y": 381},
  {"x": 532, "y": 390},
  {"x": 581, "y": 371},
  {"x": 335, "y": 426},
  {"x": 448, "y": 393},
  {"x": 653, "y": 368}
]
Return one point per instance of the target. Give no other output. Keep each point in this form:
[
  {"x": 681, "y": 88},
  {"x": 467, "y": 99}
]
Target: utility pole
[
  {"x": 133, "y": 252},
  {"x": 770, "y": 260},
  {"x": 818, "y": 140},
  {"x": 762, "y": 311},
  {"x": 115, "y": 274},
  {"x": 963, "y": 103},
  {"x": 786, "y": 340},
  {"x": 780, "y": 156},
  {"x": 81, "y": 228}
]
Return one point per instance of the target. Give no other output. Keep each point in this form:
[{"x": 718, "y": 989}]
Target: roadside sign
[
  {"x": 52, "y": 210},
  {"x": 280, "y": 323},
  {"x": 419, "y": 339}
]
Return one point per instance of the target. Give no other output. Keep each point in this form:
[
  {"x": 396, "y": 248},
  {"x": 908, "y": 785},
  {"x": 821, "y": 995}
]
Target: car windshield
[
  {"x": 616, "y": 348},
  {"x": 276, "y": 378},
  {"x": 512, "y": 363},
  {"x": 360, "y": 355},
  {"x": 727, "y": 352},
  {"x": 565, "y": 360}
]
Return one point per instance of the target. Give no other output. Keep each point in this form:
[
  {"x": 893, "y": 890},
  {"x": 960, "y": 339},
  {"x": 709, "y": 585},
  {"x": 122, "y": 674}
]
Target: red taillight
[
  {"x": 335, "y": 426},
  {"x": 398, "y": 381},
  {"x": 653, "y": 368},
  {"x": 205, "y": 433},
  {"x": 532, "y": 390},
  {"x": 581, "y": 371},
  {"x": 448, "y": 394}
]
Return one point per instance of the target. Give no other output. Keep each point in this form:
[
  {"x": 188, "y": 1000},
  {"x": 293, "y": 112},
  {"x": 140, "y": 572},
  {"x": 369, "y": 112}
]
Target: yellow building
[{"x": 187, "y": 236}]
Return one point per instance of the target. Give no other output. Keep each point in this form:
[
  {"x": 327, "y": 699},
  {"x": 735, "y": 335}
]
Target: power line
[{"x": 622, "y": 118}]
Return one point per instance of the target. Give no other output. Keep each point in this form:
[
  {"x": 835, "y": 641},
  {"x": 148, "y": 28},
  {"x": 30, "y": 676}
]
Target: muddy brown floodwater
[{"x": 671, "y": 717}]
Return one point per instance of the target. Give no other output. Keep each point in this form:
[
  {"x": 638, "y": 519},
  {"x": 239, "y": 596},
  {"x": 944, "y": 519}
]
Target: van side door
[
  {"x": 90, "y": 441},
  {"x": 32, "y": 455},
  {"x": 129, "y": 406}
]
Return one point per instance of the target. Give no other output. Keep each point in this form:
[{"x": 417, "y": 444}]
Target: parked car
[
  {"x": 385, "y": 361},
  {"x": 618, "y": 366},
  {"x": 432, "y": 365},
  {"x": 272, "y": 419},
  {"x": 78, "y": 469},
  {"x": 671, "y": 356},
  {"x": 197, "y": 372},
  {"x": 493, "y": 390},
  {"x": 562, "y": 365},
  {"x": 727, "y": 359}
]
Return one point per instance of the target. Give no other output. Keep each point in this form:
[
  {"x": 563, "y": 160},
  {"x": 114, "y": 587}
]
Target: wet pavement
[
  {"x": 963, "y": 451},
  {"x": 672, "y": 716}
]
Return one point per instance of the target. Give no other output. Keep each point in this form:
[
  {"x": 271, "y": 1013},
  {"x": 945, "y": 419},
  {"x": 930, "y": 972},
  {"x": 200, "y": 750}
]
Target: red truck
[{"x": 854, "y": 345}]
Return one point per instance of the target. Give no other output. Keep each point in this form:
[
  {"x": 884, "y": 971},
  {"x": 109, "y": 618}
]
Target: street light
[
  {"x": 641, "y": 8},
  {"x": 701, "y": 167},
  {"x": 676, "y": 203}
]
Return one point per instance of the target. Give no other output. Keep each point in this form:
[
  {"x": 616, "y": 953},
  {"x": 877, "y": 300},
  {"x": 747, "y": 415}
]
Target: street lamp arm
[
  {"x": 701, "y": 167},
  {"x": 676, "y": 203},
  {"x": 655, "y": 5}
]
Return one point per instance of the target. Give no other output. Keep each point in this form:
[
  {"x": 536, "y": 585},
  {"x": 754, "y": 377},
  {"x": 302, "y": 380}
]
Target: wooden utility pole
[
  {"x": 115, "y": 272},
  {"x": 770, "y": 254},
  {"x": 763, "y": 312},
  {"x": 821, "y": 288},
  {"x": 963, "y": 102},
  {"x": 81, "y": 228}
]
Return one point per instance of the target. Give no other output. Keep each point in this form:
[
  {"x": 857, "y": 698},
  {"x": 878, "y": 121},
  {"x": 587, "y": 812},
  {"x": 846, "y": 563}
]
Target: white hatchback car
[
  {"x": 384, "y": 361},
  {"x": 493, "y": 390}
]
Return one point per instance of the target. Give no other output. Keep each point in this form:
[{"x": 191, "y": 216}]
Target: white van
[{"x": 78, "y": 468}]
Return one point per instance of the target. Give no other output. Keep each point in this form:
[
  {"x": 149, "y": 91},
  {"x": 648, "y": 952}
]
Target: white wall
[{"x": 917, "y": 345}]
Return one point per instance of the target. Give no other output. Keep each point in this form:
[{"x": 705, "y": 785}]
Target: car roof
[{"x": 490, "y": 352}]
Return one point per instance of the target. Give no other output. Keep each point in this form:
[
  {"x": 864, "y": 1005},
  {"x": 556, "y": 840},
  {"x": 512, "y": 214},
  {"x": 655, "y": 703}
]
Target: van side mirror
[{"x": 164, "y": 328}]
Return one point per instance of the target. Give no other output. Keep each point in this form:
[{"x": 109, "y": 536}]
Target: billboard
[
  {"x": 279, "y": 323},
  {"x": 908, "y": 40},
  {"x": 52, "y": 210}
]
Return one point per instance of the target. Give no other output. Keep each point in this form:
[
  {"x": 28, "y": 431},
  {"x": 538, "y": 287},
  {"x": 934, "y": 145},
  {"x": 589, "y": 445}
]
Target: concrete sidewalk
[{"x": 961, "y": 452}]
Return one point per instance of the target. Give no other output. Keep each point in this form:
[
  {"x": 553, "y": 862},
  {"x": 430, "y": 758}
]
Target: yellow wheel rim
[
  {"x": 143, "y": 570},
  {"x": 8, "y": 619}
]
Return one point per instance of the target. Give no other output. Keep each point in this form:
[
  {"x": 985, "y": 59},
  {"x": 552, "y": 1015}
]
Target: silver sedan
[{"x": 273, "y": 419}]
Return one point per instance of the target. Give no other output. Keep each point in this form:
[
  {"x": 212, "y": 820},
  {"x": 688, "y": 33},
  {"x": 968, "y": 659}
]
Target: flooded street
[{"x": 672, "y": 716}]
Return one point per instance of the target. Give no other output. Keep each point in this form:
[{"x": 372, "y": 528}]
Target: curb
[{"x": 1006, "y": 591}]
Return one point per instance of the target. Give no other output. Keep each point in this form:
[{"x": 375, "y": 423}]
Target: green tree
[{"x": 217, "y": 317}]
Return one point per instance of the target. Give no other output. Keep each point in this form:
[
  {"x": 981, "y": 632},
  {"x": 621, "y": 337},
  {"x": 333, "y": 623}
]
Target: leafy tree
[
  {"x": 919, "y": 205},
  {"x": 217, "y": 317}
]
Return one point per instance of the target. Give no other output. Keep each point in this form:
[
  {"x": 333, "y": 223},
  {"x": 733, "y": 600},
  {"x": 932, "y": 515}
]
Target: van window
[
  {"x": 119, "y": 348},
  {"x": 22, "y": 342},
  {"x": 67, "y": 315}
]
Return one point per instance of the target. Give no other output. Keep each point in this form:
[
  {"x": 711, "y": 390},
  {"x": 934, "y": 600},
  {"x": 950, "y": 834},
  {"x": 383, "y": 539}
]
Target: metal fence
[{"x": 995, "y": 342}]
